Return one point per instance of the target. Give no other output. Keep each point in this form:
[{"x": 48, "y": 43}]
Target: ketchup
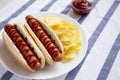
[{"x": 81, "y": 6}]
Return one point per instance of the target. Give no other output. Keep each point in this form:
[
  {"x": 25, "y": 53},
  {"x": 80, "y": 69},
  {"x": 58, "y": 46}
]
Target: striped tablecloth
[{"x": 102, "y": 27}]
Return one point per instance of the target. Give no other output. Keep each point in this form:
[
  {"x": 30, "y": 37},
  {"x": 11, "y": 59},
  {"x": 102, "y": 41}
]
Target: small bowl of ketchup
[{"x": 82, "y": 6}]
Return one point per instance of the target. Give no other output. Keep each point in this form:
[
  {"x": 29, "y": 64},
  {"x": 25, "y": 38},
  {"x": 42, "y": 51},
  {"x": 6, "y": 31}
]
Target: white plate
[{"x": 49, "y": 71}]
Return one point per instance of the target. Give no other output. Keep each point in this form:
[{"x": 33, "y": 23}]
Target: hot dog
[
  {"x": 45, "y": 38},
  {"x": 22, "y": 47}
]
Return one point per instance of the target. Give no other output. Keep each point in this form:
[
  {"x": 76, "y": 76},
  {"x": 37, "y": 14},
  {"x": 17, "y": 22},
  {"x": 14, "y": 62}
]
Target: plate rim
[{"x": 59, "y": 15}]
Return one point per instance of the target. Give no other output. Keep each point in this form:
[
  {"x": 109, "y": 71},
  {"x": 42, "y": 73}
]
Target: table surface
[{"x": 101, "y": 25}]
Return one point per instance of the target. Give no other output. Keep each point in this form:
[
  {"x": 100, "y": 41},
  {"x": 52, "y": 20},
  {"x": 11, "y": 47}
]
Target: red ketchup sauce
[
  {"x": 81, "y": 6},
  {"x": 21, "y": 43}
]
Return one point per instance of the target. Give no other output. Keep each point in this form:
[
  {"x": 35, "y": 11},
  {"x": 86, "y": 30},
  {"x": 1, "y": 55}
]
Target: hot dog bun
[
  {"x": 40, "y": 44},
  {"x": 15, "y": 52}
]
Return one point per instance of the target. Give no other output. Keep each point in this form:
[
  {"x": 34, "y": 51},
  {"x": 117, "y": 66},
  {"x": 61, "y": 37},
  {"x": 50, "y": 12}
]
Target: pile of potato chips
[{"x": 69, "y": 35}]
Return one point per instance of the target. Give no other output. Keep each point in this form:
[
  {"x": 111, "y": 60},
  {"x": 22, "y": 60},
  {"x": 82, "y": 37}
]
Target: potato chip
[{"x": 69, "y": 35}]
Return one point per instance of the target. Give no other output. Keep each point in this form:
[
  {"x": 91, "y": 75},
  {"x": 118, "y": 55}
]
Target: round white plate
[{"x": 50, "y": 71}]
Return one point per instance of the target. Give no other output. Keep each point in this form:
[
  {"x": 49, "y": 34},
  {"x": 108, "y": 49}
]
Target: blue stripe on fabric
[
  {"x": 71, "y": 75},
  {"x": 16, "y": 13},
  {"x": 84, "y": 17},
  {"x": 7, "y": 76},
  {"x": 48, "y": 5},
  {"x": 110, "y": 60},
  {"x": 67, "y": 9}
]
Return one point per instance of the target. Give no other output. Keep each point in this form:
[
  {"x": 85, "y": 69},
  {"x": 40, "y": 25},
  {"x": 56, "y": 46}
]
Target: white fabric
[{"x": 95, "y": 60}]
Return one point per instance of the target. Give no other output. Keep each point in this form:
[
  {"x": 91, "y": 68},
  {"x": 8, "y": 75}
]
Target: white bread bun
[
  {"x": 15, "y": 51},
  {"x": 30, "y": 40},
  {"x": 40, "y": 45}
]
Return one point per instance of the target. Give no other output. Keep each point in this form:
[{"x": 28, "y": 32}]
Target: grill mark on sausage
[
  {"x": 25, "y": 49},
  {"x": 44, "y": 37}
]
